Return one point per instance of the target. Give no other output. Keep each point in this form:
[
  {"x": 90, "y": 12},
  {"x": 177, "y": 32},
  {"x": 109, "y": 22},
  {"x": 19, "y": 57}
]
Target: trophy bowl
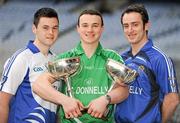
[
  {"x": 64, "y": 67},
  {"x": 120, "y": 72}
]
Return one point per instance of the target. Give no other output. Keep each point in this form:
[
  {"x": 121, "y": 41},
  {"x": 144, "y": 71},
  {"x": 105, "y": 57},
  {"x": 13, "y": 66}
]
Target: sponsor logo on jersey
[
  {"x": 91, "y": 90},
  {"x": 37, "y": 69},
  {"x": 135, "y": 90},
  {"x": 88, "y": 81}
]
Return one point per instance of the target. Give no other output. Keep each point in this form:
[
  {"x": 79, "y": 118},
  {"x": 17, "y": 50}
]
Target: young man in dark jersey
[{"x": 153, "y": 95}]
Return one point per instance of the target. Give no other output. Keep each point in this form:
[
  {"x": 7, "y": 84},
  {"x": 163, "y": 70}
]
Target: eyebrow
[
  {"x": 91, "y": 23},
  {"x": 132, "y": 22}
]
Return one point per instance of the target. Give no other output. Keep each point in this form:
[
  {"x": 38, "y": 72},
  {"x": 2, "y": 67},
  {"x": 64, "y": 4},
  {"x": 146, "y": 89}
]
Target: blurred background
[{"x": 16, "y": 21}]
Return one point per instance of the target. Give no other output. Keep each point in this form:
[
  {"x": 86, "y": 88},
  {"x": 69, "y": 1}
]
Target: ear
[
  {"x": 34, "y": 29},
  {"x": 77, "y": 28},
  {"x": 147, "y": 26},
  {"x": 102, "y": 28}
]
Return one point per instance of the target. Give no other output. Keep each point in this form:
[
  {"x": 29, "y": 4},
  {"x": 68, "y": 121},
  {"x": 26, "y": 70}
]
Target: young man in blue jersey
[
  {"x": 18, "y": 103},
  {"x": 154, "y": 93}
]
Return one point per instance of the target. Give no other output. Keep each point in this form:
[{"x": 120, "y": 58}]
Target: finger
[
  {"x": 51, "y": 78},
  {"x": 81, "y": 106},
  {"x": 71, "y": 115},
  {"x": 78, "y": 112},
  {"x": 93, "y": 113},
  {"x": 75, "y": 114},
  {"x": 90, "y": 110},
  {"x": 67, "y": 116},
  {"x": 100, "y": 115},
  {"x": 96, "y": 115}
]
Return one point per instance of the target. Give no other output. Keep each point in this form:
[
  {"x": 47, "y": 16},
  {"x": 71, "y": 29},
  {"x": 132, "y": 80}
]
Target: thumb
[{"x": 80, "y": 105}]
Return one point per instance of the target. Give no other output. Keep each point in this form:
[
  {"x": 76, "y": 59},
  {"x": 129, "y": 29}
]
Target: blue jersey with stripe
[
  {"x": 156, "y": 77},
  {"x": 19, "y": 72}
]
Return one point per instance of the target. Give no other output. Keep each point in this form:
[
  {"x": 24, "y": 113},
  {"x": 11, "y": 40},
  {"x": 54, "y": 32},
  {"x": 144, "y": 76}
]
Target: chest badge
[{"x": 141, "y": 67}]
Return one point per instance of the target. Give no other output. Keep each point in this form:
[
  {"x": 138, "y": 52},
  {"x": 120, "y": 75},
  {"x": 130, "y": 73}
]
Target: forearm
[
  {"x": 4, "y": 111},
  {"x": 4, "y": 106},
  {"x": 169, "y": 105},
  {"x": 70, "y": 105},
  {"x": 98, "y": 107},
  {"x": 46, "y": 91},
  {"x": 118, "y": 94}
]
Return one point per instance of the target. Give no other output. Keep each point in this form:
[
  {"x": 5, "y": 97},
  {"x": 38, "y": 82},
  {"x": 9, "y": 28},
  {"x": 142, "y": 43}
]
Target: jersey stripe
[
  {"x": 11, "y": 60},
  {"x": 173, "y": 87},
  {"x": 169, "y": 66},
  {"x": 8, "y": 66}
]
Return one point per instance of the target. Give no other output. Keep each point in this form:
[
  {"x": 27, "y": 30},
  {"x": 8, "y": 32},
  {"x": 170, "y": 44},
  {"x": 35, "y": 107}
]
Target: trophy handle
[
  {"x": 112, "y": 85},
  {"x": 77, "y": 120},
  {"x": 69, "y": 89}
]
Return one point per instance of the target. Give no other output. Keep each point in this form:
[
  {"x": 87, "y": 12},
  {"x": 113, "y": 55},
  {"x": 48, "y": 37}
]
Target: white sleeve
[{"x": 14, "y": 72}]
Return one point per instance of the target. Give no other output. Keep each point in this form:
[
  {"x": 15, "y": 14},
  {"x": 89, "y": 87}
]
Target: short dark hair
[
  {"x": 91, "y": 12},
  {"x": 139, "y": 8},
  {"x": 44, "y": 12}
]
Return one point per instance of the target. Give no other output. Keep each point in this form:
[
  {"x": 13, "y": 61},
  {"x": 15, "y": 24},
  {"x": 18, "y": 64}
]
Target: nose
[
  {"x": 51, "y": 31},
  {"x": 89, "y": 29},
  {"x": 130, "y": 28}
]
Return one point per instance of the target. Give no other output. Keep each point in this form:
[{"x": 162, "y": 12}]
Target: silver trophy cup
[
  {"x": 63, "y": 69},
  {"x": 120, "y": 73}
]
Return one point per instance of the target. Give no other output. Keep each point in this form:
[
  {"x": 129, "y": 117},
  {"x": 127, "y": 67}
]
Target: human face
[
  {"x": 134, "y": 29},
  {"x": 90, "y": 28},
  {"x": 46, "y": 32}
]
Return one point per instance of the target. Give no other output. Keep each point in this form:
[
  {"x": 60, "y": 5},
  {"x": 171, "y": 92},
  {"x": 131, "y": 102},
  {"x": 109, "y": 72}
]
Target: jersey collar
[
  {"x": 33, "y": 47},
  {"x": 148, "y": 45},
  {"x": 79, "y": 50}
]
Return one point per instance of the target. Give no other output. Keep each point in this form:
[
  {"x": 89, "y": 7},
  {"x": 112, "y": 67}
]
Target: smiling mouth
[
  {"x": 89, "y": 35},
  {"x": 131, "y": 35},
  {"x": 50, "y": 38}
]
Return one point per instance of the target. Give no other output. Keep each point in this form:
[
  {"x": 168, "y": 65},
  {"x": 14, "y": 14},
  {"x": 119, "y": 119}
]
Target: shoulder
[
  {"x": 67, "y": 54},
  {"x": 21, "y": 55},
  {"x": 125, "y": 54},
  {"x": 158, "y": 55},
  {"x": 160, "y": 61},
  {"x": 109, "y": 53},
  {"x": 19, "y": 58}
]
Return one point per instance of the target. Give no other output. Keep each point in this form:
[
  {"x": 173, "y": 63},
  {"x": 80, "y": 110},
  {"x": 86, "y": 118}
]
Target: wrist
[{"x": 108, "y": 98}]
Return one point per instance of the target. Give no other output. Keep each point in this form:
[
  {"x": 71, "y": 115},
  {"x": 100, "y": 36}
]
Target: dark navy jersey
[{"x": 156, "y": 77}]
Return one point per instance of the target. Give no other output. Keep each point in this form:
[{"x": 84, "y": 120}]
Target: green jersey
[{"x": 91, "y": 82}]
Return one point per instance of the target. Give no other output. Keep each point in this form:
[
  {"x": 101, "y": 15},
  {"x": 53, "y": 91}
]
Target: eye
[
  {"x": 125, "y": 26},
  {"x": 135, "y": 24},
  {"x": 55, "y": 28},
  {"x": 84, "y": 25},
  {"x": 95, "y": 25},
  {"x": 45, "y": 27}
]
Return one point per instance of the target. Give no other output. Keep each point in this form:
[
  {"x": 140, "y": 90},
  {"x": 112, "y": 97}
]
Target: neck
[
  {"x": 137, "y": 46},
  {"x": 89, "y": 49},
  {"x": 43, "y": 48}
]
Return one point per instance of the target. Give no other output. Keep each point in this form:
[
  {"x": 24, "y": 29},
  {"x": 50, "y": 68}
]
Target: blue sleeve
[{"x": 166, "y": 75}]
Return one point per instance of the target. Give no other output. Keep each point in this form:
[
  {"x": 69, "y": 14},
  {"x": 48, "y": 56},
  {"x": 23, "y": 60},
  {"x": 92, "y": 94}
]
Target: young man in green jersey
[{"x": 91, "y": 84}]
